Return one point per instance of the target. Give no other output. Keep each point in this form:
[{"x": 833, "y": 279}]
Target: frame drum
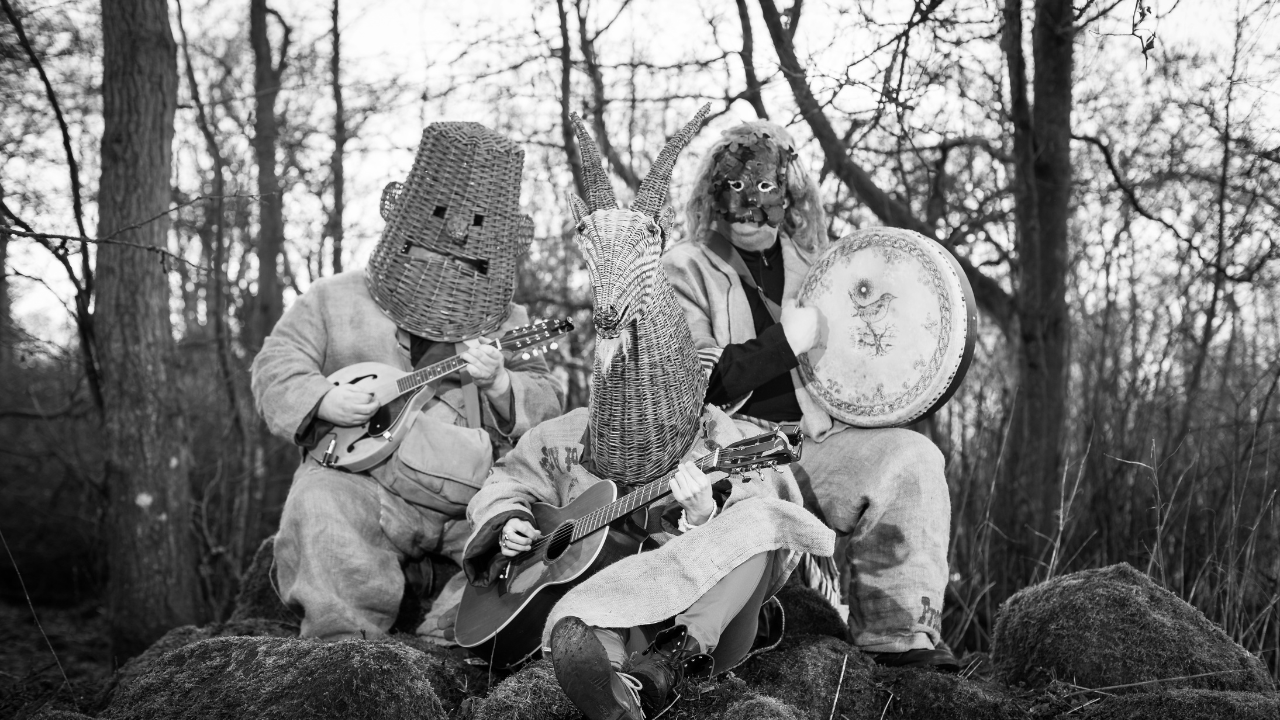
[{"x": 897, "y": 328}]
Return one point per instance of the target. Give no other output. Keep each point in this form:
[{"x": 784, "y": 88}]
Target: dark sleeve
[{"x": 743, "y": 367}]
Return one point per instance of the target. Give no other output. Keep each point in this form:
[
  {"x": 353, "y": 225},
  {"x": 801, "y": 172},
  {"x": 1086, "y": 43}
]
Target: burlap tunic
[
  {"x": 344, "y": 536},
  {"x": 883, "y": 491},
  {"x": 763, "y": 514}
]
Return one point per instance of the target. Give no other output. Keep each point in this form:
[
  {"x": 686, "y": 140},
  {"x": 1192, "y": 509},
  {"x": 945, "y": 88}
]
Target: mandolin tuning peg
[
  {"x": 554, "y": 346},
  {"x": 525, "y": 356}
]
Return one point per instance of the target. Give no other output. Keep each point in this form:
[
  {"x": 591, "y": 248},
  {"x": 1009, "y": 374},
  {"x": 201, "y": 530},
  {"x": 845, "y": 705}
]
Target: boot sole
[{"x": 582, "y": 667}]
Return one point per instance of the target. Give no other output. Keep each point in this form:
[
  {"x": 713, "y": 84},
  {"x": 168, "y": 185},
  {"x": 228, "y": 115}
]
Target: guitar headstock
[
  {"x": 526, "y": 339},
  {"x": 778, "y": 447}
]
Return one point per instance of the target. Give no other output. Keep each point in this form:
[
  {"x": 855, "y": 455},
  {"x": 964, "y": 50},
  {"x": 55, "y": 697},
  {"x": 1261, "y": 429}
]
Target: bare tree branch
[
  {"x": 752, "y": 93},
  {"x": 990, "y": 296}
]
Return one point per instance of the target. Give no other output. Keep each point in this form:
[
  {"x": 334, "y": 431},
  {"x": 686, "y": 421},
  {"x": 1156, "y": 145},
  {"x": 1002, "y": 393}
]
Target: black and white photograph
[{"x": 639, "y": 359}]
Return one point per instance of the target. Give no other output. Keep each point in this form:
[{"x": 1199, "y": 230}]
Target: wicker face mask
[
  {"x": 749, "y": 181},
  {"x": 647, "y": 384},
  {"x": 445, "y": 269}
]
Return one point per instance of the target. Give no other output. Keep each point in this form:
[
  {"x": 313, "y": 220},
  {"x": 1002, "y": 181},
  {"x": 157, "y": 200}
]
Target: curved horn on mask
[
  {"x": 653, "y": 191},
  {"x": 599, "y": 190}
]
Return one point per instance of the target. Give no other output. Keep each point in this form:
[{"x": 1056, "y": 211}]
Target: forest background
[{"x": 1107, "y": 173}]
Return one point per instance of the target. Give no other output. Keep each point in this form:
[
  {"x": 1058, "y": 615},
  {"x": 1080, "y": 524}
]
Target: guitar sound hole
[{"x": 560, "y": 541}]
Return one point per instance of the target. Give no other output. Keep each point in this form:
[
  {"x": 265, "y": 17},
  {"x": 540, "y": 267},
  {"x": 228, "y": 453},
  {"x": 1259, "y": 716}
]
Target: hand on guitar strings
[
  {"x": 347, "y": 406},
  {"x": 517, "y": 536},
  {"x": 692, "y": 489},
  {"x": 487, "y": 368}
]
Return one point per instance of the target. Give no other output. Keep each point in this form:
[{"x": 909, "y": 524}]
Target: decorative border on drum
[{"x": 882, "y": 237}]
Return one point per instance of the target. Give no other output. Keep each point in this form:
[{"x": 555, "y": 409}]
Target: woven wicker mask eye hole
[
  {"x": 439, "y": 211},
  {"x": 477, "y": 221}
]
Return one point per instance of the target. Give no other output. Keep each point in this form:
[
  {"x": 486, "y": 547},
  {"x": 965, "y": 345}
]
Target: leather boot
[
  {"x": 673, "y": 658},
  {"x": 582, "y": 667}
]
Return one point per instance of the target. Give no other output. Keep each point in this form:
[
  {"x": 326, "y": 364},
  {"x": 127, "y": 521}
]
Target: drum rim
[{"x": 914, "y": 244}]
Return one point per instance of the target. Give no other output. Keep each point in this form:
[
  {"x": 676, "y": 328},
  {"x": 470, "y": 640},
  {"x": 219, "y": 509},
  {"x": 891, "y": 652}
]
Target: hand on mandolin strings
[
  {"x": 517, "y": 536},
  {"x": 487, "y": 368},
  {"x": 347, "y": 406},
  {"x": 692, "y": 489}
]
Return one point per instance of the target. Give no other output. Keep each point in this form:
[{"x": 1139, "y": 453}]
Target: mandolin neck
[
  {"x": 629, "y": 503},
  {"x": 431, "y": 373}
]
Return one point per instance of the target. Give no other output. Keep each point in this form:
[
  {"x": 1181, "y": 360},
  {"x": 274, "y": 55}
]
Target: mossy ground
[{"x": 255, "y": 666}]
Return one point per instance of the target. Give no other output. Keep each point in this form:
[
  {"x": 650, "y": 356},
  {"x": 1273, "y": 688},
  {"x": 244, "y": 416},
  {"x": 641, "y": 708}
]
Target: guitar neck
[{"x": 627, "y": 504}]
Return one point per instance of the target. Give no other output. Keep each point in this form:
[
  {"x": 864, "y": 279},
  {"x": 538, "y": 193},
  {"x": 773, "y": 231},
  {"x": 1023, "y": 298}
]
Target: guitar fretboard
[{"x": 633, "y": 501}]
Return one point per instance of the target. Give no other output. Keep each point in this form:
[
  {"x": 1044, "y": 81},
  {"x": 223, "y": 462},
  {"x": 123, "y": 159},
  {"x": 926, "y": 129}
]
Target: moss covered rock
[
  {"x": 805, "y": 672},
  {"x": 531, "y": 694},
  {"x": 454, "y": 678},
  {"x": 926, "y": 694},
  {"x": 186, "y": 635},
  {"x": 1114, "y": 626},
  {"x": 257, "y": 597},
  {"x": 279, "y": 679},
  {"x": 809, "y": 613},
  {"x": 1184, "y": 705},
  {"x": 759, "y": 707}
]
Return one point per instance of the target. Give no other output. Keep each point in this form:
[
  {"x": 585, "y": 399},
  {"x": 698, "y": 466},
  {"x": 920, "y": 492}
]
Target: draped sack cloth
[{"x": 763, "y": 513}]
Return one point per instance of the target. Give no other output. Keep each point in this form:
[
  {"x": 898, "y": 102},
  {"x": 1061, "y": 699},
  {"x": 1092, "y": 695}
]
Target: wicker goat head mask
[
  {"x": 446, "y": 266},
  {"x": 648, "y": 386}
]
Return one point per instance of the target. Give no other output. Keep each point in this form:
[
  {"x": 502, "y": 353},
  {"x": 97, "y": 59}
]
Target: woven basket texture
[
  {"x": 646, "y": 406},
  {"x": 445, "y": 268},
  {"x": 646, "y": 398}
]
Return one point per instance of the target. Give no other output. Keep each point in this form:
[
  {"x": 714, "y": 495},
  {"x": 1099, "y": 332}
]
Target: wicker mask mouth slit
[{"x": 418, "y": 253}]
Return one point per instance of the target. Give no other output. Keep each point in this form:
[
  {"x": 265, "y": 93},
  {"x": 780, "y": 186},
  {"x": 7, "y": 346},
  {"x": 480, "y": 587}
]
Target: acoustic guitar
[
  {"x": 400, "y": 395},
  {"x": 502, "y": 623}
]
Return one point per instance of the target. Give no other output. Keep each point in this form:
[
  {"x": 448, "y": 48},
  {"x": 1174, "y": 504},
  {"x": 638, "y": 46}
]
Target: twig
[
  {"x": 1084, "y": 690},
  {"x": 839, "y": 685},
  {"x": 887, "y": 703},
  {"x": 110, "y": 238},
  {"x": 35, "y": 617}
]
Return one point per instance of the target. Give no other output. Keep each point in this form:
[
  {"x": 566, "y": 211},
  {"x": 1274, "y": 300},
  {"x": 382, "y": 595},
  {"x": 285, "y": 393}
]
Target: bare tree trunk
[
  {"x": 339, "y": 145},
  {"x": 7, "y": 339},
  {"x": 566, "y": 127},
  {"x": 153, "y": 585},
  {"x": 1042, "y": 205},
  {"x": 267, "y": 71}
]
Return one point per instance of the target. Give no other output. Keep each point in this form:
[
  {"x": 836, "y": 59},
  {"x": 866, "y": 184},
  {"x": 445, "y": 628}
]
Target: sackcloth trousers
[
  {"x": 883, "y": 491},
  {"x": 345, "y": 538}
]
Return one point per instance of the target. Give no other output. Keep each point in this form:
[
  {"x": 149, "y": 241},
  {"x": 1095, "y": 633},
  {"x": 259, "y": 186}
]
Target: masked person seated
[
  {"x": 442, "y": 276},
  {"x": 755, "y": 224},
  {"x": 624, "y": 641}
]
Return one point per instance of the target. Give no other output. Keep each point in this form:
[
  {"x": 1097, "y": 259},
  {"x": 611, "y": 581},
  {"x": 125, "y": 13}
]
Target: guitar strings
[{"x": 597, "y": 516}]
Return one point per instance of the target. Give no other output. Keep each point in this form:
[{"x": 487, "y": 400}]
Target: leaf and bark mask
[{"x": 749, "y": 181}]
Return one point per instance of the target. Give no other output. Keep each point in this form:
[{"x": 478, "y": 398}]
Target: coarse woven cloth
[
  {"x": 656, "y": 585},
  {"x": 545, "y": 466}
]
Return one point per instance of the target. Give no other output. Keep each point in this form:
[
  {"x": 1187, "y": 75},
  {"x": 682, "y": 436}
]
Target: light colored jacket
[
  {"x": 336, "y": 323},
  {"x": 715, "y": 304},
  {"x": 763, "y": 514}
]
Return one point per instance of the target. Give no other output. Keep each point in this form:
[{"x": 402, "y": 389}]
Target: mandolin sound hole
[{"x": 560, "y": 540}]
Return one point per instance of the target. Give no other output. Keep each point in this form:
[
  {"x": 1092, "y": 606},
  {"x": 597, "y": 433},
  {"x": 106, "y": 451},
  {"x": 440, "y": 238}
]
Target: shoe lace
[{"x": 633, "y": 687}]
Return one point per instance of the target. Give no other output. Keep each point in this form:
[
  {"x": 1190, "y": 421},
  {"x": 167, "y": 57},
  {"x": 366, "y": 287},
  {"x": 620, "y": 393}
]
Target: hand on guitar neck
[{"x": 690, "y": 487}]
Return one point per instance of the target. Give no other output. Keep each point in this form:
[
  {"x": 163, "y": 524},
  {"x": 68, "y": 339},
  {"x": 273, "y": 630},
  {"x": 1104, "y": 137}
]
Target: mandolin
[
  {"x": 502, "y": 623},
  {"x": 401, "y": 394}
]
